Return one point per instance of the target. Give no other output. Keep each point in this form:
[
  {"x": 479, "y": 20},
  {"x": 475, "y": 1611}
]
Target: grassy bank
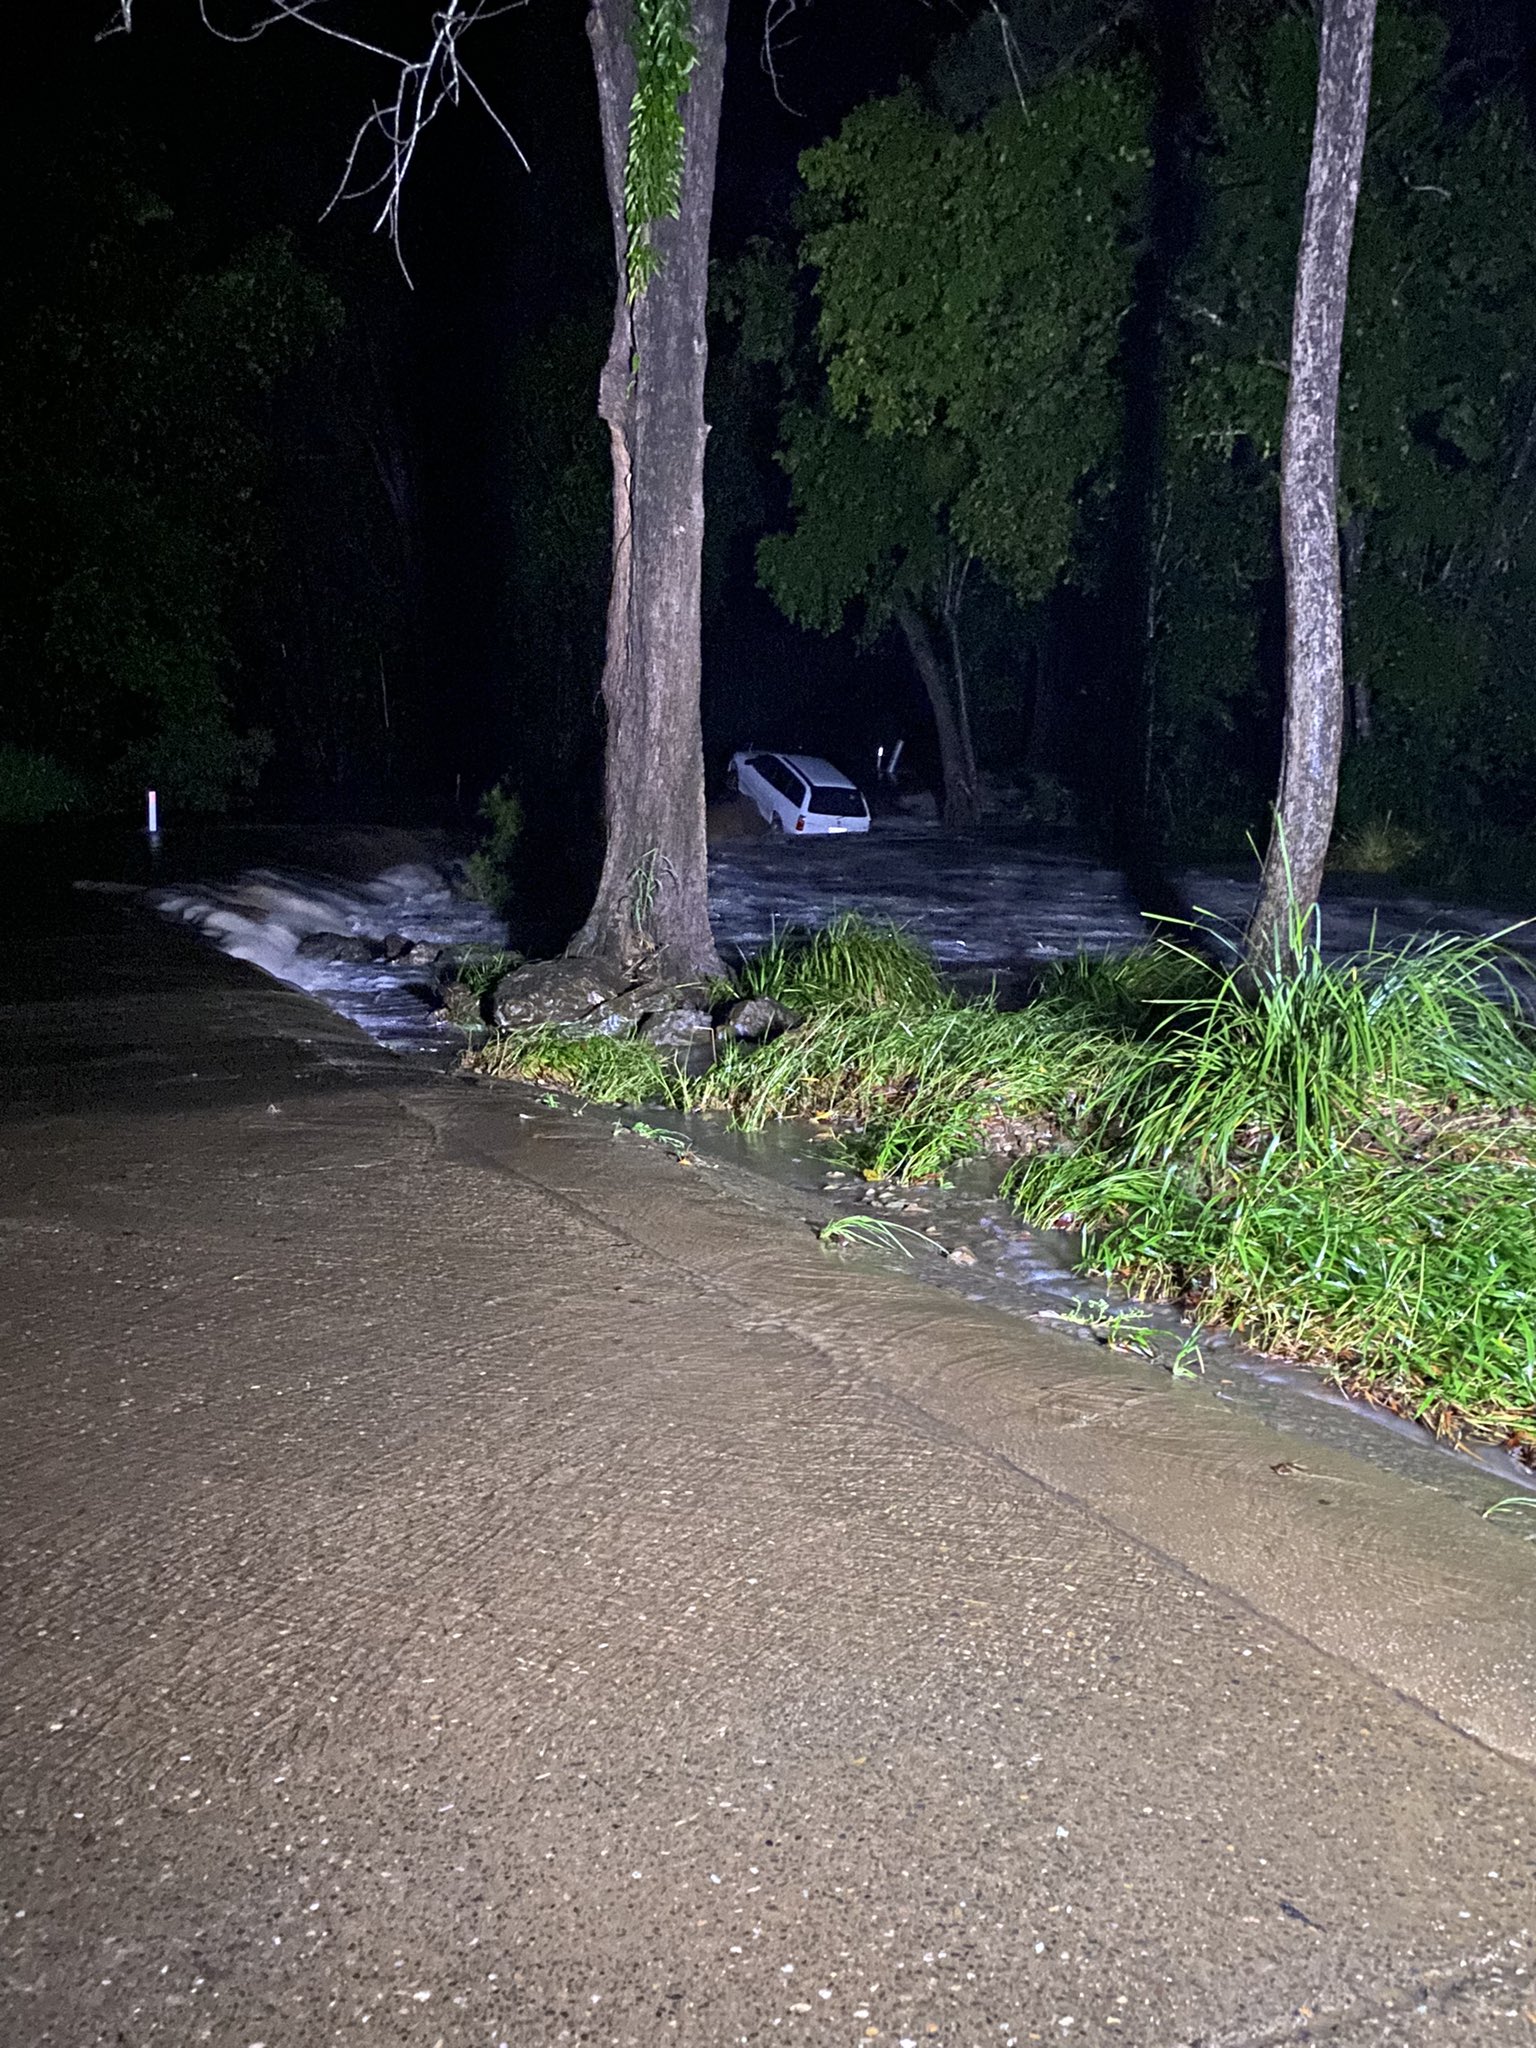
[{"x": 1341, "y": 1166}]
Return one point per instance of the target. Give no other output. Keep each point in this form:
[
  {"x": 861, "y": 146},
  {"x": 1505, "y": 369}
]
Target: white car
[{"x": 799, "y": 792}]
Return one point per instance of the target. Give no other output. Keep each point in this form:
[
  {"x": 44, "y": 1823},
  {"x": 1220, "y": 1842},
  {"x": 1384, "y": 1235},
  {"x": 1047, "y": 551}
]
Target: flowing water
[
  {"x": 265, "y": 915},
  {"x": 987, "y": 910}
]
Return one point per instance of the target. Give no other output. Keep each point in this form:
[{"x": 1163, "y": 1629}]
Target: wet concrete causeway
[{"x": 469, "y": 1578}]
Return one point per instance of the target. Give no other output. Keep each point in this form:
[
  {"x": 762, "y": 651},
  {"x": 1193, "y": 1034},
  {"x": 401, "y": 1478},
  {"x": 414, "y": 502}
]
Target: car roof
[{"x": 812, "y": 767}]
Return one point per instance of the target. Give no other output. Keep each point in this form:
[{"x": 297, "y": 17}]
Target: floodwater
[
  {"x": 986, "y": 909},
  {"x": 265, "y": 914},
  {"x": 990, "y": 904}
]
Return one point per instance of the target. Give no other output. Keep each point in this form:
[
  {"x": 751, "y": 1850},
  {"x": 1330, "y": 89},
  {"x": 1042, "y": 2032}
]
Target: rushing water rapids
[{"x": 983, "y": 908}]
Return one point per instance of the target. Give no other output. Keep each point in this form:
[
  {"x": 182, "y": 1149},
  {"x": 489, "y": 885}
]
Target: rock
[
  {"x": 756, "y": 1019},
  {"x": 420, "y": 953},
  {"x": 458, "y": 1002},
  {"x": 683, "y": 1028},
  {"x": 735, "y": 817},
  {"x": 347, "y": 947},
  {"x": 625, "y": 1014},
  {"x": 566, "y": 993}
]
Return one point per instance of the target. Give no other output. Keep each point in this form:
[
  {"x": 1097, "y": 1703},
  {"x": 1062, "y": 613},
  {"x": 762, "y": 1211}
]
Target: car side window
[{"x": 778, "y": 775}]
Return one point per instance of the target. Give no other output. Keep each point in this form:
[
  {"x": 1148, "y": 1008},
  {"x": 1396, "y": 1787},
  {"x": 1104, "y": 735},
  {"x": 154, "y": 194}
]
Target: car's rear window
[{"x": 837, "y": 803}]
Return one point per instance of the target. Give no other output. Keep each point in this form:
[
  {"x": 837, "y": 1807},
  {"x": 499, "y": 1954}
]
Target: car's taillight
[{"x": 799, "y": 824}]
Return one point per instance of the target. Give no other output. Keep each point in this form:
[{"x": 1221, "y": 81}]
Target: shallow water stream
[{"x": 985, "y": 909}]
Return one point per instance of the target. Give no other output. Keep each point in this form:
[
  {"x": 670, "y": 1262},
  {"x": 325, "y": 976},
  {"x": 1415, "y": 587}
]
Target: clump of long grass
[
  {"x": 627, "y": 1070},
  {"x": 1264, "y": 1149},
  {"x": 915, "y": 1089},
  {"x": 1304, "y": 1058},
  {"x": 480, "y": 968},
  {"x": 851, "y": 964},
  {"x": 1377, "y": 846}
]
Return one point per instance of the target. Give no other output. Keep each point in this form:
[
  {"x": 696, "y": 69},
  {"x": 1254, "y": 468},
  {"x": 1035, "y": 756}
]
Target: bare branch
[
  {"x": 423, "y": 86},
  {"x": 775, "y": 14},
  {"x": 1010, "y": 52}
]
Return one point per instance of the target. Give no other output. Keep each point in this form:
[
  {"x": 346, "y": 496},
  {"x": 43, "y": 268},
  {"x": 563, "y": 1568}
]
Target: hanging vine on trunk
[{"x": 653, "y": 170}]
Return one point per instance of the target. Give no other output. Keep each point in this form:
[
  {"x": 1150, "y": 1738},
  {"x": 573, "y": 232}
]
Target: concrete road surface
[{"x": 469, "y": 1578}]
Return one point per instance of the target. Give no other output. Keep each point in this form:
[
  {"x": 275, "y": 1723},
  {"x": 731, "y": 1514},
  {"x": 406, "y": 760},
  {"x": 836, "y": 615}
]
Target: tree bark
[
  {"x": 952, "y": 598},
  {"x": 651, "y": 916},
  {"x": 1309, "y": 531},
  {"x": 962, "y": 809}
]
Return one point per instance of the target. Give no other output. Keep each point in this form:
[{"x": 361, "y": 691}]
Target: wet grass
[
  {"x": 912, "y": 1078},
  {"x": 617, "y": 1070},
  {"x": 1339, "y": 1164},
  {"x": 851, "y": 964}
]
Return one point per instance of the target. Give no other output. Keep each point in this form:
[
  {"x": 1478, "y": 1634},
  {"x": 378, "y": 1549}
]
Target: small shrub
[
  {"x": 1377, "y": 847},
  {"x": 490, "y": 865},
  {"x": 34, "y": 787}
]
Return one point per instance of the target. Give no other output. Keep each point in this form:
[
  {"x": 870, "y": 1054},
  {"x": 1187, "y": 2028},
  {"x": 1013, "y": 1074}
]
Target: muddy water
[
  {"x": 984, "y": 909},
  {"x": 1028, "y": 1273}
]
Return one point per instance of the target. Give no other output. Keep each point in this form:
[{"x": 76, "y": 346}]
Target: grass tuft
[
  {"x": 624, "y": 1070},
  {"x": 1337, "y": 1163},
  {"x": 852, "y": 964},
  {"x": 843, "y": 1231},
  {"x": 1379, "y": 846}
]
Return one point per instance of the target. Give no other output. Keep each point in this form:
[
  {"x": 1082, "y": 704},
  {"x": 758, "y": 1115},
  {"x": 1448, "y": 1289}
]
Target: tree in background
[
  {"x": 1309, "y": 491},
  {"x": 336, "y": 628},
  {"x": 132, "y": 459},
  {"x": 975, "y": 282},
  {"x": 971, "y": 285},
  {"x": 558, "y": 566},
  {"x": 1436, "y": 487},
  {"x": 871, "y": 531}
]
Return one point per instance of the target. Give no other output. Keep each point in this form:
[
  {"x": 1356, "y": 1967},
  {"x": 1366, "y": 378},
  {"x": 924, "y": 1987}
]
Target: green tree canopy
[
  {"x": 971, "y": 287},
  {"x": 131, "y": 456}
]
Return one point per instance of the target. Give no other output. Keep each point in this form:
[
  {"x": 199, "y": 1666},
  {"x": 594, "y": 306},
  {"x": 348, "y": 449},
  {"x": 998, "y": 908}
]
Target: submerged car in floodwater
[{"x": 799, "y": 793}]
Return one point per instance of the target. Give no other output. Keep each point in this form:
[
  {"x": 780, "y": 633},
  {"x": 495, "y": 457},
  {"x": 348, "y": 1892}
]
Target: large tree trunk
[
  {"x": 652, "y": 911},
  {"x": 1309, "y": 531},
  {"x": 962, "y": 808}
]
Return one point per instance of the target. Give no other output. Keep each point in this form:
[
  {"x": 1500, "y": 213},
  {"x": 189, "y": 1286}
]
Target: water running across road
[{"x": 984, "y": 908}]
